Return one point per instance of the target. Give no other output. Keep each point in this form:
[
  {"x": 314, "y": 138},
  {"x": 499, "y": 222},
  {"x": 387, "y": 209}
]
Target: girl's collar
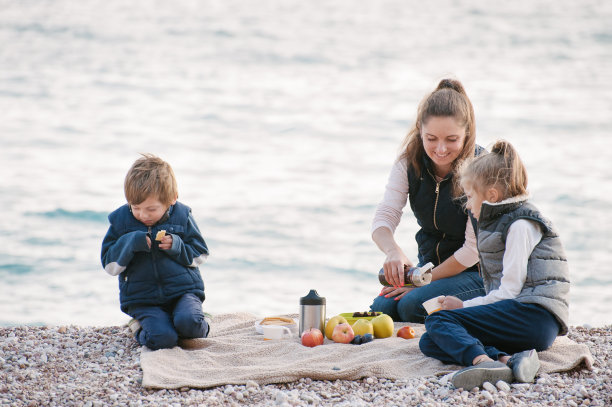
[{"x": 512, "y": 199}]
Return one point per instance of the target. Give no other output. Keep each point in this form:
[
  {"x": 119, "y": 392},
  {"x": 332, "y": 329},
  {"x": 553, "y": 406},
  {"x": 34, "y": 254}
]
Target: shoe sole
[{"x": 475, "y": 376}]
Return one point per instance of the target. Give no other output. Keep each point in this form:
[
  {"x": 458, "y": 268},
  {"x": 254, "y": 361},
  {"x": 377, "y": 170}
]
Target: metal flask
[
  {"x": 312, "y": 312},
  {"x": 413, "y": 276}
]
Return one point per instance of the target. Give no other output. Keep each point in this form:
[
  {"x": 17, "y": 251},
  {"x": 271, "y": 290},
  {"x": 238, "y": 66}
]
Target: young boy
[{"x": 154, "y": 245}]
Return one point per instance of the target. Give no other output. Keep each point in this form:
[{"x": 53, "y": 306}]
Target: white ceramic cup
[
  {"x": 275, "y": 332},
  {"x": 432, "y": 305}
]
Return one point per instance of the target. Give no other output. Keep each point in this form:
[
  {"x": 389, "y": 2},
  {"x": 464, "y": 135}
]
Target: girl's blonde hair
[
  {"x": 150, "y": 176},
  {"x": 502, "y": 168},
  {"x": 449, "y": 99}
]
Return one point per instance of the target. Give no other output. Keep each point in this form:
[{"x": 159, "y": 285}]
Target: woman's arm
[
  {"x": 448, "y": 268},
  {"x": 395, "y": 260},
  {"x": 387, "y": 218}
]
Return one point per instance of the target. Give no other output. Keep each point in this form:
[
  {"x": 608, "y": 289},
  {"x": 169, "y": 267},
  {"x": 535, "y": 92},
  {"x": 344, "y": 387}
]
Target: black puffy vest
[{"x": 441, "y": 217}]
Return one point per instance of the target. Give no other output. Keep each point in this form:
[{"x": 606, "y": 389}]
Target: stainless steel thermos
[
  {"x": 413, "y": 276},
  {"x": 312, "y": 312}
]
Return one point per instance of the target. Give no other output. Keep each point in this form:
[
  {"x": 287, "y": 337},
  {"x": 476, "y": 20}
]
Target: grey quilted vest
[{"x": 547, "y": 282}]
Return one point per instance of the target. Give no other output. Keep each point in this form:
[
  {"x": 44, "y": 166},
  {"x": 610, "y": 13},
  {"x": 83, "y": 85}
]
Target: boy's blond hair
[{"x": 150, "y": 176}]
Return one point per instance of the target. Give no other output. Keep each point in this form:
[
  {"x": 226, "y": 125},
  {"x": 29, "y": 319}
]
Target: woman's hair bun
[{"x": 451, "y": 84}]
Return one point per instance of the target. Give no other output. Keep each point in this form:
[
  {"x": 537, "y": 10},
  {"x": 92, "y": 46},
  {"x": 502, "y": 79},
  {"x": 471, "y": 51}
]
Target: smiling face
[
  {"x": 149, "y": 211},
  {"x": 443, "y": 140}
]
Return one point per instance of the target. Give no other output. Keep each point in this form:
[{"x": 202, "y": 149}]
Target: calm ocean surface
[{"x": 281, "y": 120}]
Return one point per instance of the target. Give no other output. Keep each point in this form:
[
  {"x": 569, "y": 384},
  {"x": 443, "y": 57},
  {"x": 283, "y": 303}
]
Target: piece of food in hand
[
  {"x": 383, "y": 326},
  {"x": 362, "y": 327},
  {"x": 312, "y": 337},
  {"x": 357, "y": 340},
  {"x": 283, "y": 321},
  {"x": 367, "y": 338},
  {"x": 331, "y": 324},
  {"x": 343, "y": 333},
  {"x": 406, "y": 332},
  {"x": 160, "y": 235}
]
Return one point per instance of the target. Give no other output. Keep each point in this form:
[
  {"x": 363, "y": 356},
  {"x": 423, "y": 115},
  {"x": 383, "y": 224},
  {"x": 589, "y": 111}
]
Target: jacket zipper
[
  {"x": 434, "y": 214},
  {"x": 154, "y": 263}
]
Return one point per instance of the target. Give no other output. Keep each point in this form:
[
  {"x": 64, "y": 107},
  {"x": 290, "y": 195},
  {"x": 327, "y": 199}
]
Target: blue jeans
[
  {"x": 162, "y": 326},
  {"x": 409, "y": 308},
  {"x": 498, "y": 329}
]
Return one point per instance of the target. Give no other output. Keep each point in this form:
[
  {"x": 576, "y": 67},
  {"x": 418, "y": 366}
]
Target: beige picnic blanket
[{"x": 234, "y": 354}]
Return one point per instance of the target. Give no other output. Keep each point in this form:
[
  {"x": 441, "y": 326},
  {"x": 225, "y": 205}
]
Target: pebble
[
  {"x": 503, "y": 386},
  {"x": 486, "y": 394},
  {"x": 99, "y": 366},
  {"x": 489, "y": 387}
]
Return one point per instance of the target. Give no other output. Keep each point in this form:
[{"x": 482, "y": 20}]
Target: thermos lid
[{"x": 312, "y": 298}]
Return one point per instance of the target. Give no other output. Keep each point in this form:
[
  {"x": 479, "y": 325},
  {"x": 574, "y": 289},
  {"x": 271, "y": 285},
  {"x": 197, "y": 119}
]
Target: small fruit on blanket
[
  {"x": 312, "y": 337},
  {"x": 406, "y": 332},
  {"x": 343, "y": 333},
  {"x": 357, "y": 340},
  {"x": 331, "y": 324},
  {"x": 367, "y": 338},
  {"x": 362, "y": 327},
  {"x": 383, "y": 326}
]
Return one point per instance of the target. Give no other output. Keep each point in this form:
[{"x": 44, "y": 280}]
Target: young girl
[{"x": 525, "y": 275}]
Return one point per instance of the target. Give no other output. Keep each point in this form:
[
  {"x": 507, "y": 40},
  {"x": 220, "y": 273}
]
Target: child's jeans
[
  {"x": 498, "y": 329},
  {"x": 162, "y": 326},
  {"x": 409, "y": 308}
]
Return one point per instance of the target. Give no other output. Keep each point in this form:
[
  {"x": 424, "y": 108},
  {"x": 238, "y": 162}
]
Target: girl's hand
[
  {"x": 166, "y": 242},
  {"x": 451, "y": 302},
  {"x": 394, "y": 267},
  {"x": 398, "y": 293}
]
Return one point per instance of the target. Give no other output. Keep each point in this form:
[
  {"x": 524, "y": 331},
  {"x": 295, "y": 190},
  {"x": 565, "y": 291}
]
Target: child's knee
[
  {"x": 160, "y": 340},
  {"x": 191, "y": 325},
  {"x": 426, "y": 343},
  {"x": 435, "y": 321}
]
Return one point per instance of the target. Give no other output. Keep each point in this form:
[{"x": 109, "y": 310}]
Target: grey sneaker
[
  {"x": 475, "y": 376},
  {"x": 134, "y": 326},
  {"x": 525, "y": 365}
]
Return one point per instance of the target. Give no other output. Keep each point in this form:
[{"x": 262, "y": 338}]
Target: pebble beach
[{"x": 100, "y": 366}]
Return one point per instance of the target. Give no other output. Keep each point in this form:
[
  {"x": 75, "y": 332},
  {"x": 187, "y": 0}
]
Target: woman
[{"x": 442, "y": 137}]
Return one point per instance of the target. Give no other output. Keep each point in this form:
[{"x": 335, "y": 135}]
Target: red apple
[
  {"x": 312, "y": 337},
  {"x": 343, "y": 333},
  {"x": 406, "y": 332}
]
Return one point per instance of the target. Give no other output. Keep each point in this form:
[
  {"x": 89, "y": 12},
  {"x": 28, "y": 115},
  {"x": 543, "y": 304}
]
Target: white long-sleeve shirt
[
  {"x": 523, "y": 236},
  {"x": 389, "y": 213}
]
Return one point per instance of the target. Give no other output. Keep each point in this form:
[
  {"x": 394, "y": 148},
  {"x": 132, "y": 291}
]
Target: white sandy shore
[{"x": 85, "y": 366}]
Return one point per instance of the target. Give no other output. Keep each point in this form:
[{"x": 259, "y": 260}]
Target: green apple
[
  {"x": 362, "y": 327},
  {"x": 331, "y": 324},
  {"x": 383, "y": 326}
]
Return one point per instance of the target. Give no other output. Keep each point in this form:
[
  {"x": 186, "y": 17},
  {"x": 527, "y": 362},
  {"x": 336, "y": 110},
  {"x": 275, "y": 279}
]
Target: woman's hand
[
  {"x": 398, "y": 293},
  {"x": 451, "y": 302},
  {"x": 394, "y": 267}
]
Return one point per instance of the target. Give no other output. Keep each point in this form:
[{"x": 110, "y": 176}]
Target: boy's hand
[
  {"x": 166, "y": 242},
  {"x": 451, "y": 302},
  {"x": 148, "y": 241}
]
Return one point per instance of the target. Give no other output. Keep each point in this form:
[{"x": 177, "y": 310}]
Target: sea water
[{"x": 282, "y": 120}]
